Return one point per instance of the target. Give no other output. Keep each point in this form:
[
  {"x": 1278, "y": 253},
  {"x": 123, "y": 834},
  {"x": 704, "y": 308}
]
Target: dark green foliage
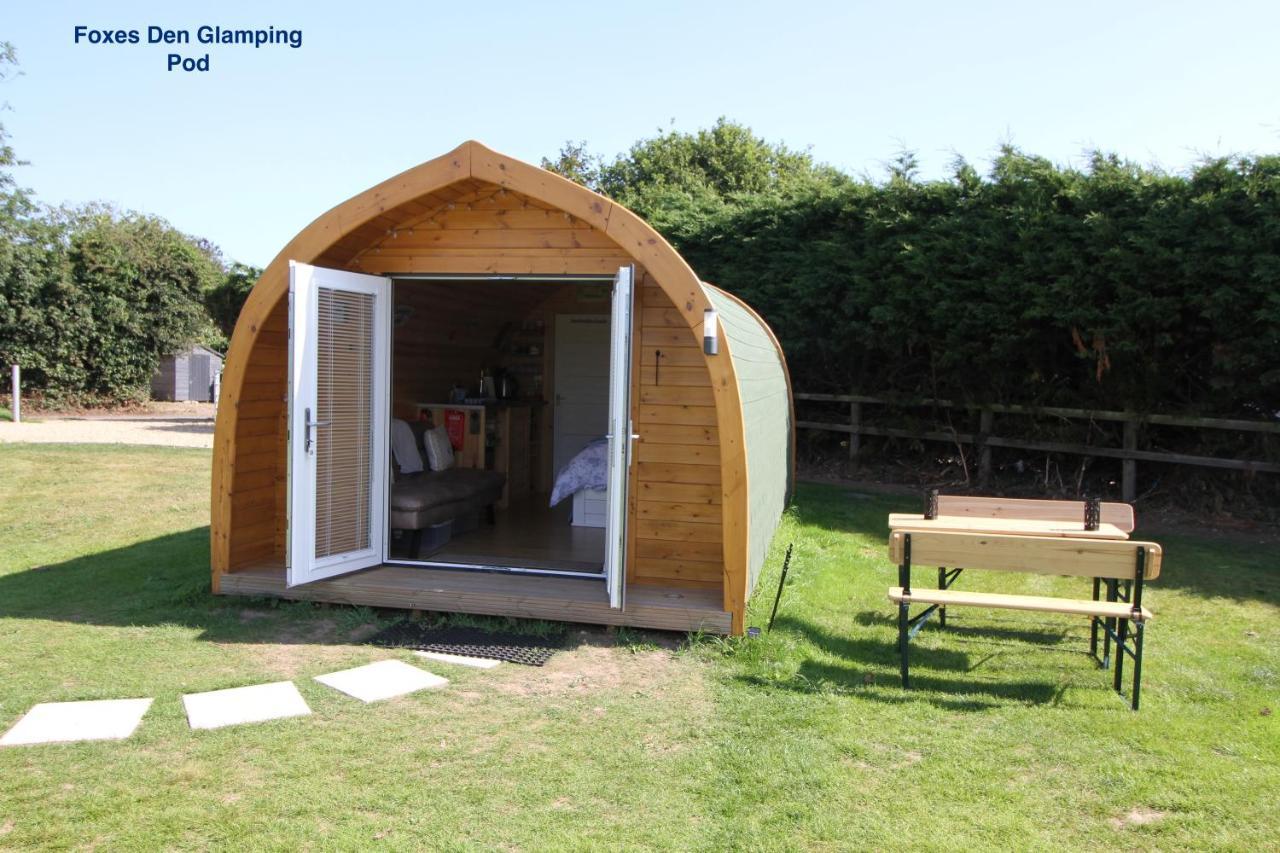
[
  {"x": 225, "y": 300},
  {"x": 1113, "y": 286},
  {"x": 577, "y": 164},
  {"x": 144, "y": 285},
  {"x": 90, "y": 303}
]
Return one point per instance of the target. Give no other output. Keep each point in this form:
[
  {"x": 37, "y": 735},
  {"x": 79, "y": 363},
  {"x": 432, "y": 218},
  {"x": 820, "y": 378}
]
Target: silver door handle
[{"x": 308, "y": 425}]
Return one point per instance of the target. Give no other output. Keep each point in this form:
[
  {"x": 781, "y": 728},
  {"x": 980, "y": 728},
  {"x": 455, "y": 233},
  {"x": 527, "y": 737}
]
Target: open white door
[
  {"x": 339, "y": 346},
  {"x": 620, "y": 436}
]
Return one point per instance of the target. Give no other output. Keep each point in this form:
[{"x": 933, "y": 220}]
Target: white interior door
[
  {"x": 620, "y": 435},
  {"x": 339, "y": 345},
  {"x": 581, "y": 384}
]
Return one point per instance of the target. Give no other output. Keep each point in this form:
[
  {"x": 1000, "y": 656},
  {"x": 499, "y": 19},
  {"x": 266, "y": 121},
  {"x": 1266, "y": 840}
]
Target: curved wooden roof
[{"x": 365, "y": 217}]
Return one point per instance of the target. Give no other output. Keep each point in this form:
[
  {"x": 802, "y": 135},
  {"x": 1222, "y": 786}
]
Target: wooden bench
[
  {"x": 1118, "y": 514},
  {"x": 1122, "y": 566}
]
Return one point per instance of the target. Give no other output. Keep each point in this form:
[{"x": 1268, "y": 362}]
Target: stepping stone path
[
  {"x": 382, "y": 680},
  {"x": 67, "y": 722},
  {"x": 253, "y": 704},
  {"x": 460, "y": 660},
  {"x": 117, "y": 719}
]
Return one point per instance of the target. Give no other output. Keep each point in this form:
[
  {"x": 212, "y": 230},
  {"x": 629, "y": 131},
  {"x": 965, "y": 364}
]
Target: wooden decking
[{"x": 496, "y": 594}]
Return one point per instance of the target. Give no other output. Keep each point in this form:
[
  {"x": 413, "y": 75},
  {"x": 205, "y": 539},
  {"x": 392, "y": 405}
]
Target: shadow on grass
[
  {"x": 194, "y": 419},
  {"x": 192, "y": 428},
  {"x": 164, "y": 581},
  {"x": 980, "y": 625},
  {"x": 938, "y": 675}
]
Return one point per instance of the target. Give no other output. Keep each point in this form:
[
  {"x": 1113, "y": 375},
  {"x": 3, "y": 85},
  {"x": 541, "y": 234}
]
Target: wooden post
[
  {"x": 984, "y": 451},
  {"x": 855, "y": 436},
  {"x": 16, "y": 405},
  {"x": 1129, "y": 467}
]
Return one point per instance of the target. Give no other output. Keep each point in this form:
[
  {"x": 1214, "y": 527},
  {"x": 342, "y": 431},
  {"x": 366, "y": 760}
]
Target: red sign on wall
[{"x": 455, "y": 423}]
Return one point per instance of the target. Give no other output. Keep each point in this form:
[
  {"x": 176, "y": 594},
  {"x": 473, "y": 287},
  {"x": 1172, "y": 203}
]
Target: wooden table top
[{"x": 1007, "y": 526}]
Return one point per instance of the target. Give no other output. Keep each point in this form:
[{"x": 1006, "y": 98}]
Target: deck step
[{"x": 563, "y": 599}]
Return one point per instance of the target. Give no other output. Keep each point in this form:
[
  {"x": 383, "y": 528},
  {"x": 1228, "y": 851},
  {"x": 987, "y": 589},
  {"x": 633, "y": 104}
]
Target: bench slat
[
  {"x": 1004, "y": 524},
  {"x": 1047, "y": 555},
  {"x": 1118, "y": 514},
  {"x": 1079, "y": 607}
]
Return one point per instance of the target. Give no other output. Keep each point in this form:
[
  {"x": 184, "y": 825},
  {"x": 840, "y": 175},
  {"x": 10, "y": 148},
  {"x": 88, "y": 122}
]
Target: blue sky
[{"x": 249, "y": 152}]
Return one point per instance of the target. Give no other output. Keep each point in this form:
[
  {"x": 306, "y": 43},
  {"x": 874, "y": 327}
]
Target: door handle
[{"x": 308, "y": 425}]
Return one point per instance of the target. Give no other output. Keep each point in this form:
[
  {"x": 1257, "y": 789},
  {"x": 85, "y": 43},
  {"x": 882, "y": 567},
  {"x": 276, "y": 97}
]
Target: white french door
[
  {"x": 339, "y": 367},
  {"x": 620, "y": 436}
]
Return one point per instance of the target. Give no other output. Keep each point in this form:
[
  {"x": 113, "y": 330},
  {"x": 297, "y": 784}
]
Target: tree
[
  {"x": 675, "y": 176},
  {"x": 8, "y": 159},
  {"x": 143, "y": 285},
  {"x": 577, "y": 164},
  {"x": 226, "y": 298},
  {"x": 724, "y": 162}
]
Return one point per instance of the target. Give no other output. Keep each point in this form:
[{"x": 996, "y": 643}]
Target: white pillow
[
  {"x": 439, "y": 450},
  {"x": 404, "y": 448}
]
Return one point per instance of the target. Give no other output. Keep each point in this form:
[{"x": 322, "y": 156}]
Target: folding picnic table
[{"x": 1034, "y": 538}]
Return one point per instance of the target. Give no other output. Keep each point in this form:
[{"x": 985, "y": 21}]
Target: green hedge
[
  {"x": 1112, "y": 286},
  {"x": 91, "y": 301}
]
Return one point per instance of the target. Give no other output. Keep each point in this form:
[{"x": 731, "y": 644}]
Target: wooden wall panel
[
  {"x": 677, "y": 516},
  {"x": 676, "y": 488},
  {"x": 492, "y": 230},
  {"x": 258, "y": 494}
]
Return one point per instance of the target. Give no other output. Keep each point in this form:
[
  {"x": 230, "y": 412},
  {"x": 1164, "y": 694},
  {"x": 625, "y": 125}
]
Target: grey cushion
[{"x": 431, "y": 497}]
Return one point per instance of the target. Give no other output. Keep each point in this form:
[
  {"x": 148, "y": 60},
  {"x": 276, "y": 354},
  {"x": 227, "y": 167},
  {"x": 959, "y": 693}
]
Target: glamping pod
[{"x": 479, "y": 387}]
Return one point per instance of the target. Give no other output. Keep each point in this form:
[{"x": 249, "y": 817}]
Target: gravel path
[{"x": 169, "y": 431}]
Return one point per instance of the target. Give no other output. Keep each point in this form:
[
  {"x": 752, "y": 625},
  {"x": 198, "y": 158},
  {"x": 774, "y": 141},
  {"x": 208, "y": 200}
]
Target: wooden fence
[{"x": 984, "y": 439}]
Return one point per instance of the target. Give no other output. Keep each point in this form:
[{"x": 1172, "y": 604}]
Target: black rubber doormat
[{"x": 470, "y": 642}]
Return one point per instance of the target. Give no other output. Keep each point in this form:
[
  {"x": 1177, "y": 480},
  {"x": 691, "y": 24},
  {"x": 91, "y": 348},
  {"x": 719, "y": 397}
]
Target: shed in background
[{"x": 190, "y": 375}]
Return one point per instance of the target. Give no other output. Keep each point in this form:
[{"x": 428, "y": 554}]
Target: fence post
[
  {"x": 16, "y": 404},
  {"x": 855, "y": 437},
  {"x": 984, "y": 451},
  {"x": 1129, "y": 467}
]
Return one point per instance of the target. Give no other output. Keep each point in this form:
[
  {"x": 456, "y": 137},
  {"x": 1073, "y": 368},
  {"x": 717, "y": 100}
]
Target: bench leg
[
  {"x": 1093, "y": 620},
  {"x": 942, "y": 584},
  {"x": 903, "y": 639},
  {"x": 1137, "y": 662},
  {"x": 1121, "y": 636},
  {"x": 415, "y": 544},
  {"x": 1110, "y": 623}
]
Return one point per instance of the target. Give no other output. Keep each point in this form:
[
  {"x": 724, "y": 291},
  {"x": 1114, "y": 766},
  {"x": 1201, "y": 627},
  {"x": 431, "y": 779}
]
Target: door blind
[{"x": 344, "y": 415}]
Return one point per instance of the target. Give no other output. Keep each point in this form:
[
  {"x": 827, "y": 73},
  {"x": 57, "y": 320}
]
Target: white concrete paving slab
[
  {"x": 381, "y": 680},
  {"x": 460, "y": 660},
  {"x": 68, "y": 722},
  {"x": 253, "y": 704}
]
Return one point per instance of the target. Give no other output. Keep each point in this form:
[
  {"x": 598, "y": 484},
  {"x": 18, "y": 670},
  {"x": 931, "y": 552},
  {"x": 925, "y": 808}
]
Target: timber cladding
[
  {"x": 676, "y": 517},
  {"x": 489, "y": 229},
  {"x": 676, "y": 501},
  {"x": 260, "y": 465},
  {"x": 476, "y": 212}
]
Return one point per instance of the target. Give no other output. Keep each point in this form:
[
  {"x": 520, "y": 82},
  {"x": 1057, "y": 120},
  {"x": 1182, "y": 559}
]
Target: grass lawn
[{"x": 800, "y": 739}]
